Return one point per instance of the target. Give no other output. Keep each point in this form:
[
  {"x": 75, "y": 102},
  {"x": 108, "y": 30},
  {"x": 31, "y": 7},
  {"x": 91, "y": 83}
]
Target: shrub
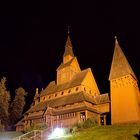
[
  {"x": 79, "y": 125},
  {"x": 67, "y": 130},
  {"x": 39, "y": 126},
  {"x": 74, "y": 129},
  {"x": 89, "y": 123}
]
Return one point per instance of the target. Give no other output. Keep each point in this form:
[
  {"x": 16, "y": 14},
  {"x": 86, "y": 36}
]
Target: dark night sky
[{"x": 33, "y": 36}]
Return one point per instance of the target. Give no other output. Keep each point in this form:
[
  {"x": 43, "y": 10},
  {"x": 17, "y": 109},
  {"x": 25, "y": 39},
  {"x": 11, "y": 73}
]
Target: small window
[
  {"x": 62, "y": 93},
  {"x": 84, "y": 89},
  {"x": 69, "y": 91},
  {"x": 77, "y": 88},
  {"x": 55, "y": 95},
  {"x": 49, "y": 97},
  {"x": 44, "y": 98}
]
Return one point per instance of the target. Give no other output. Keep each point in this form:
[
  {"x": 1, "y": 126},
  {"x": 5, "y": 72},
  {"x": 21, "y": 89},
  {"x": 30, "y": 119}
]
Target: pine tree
[
  {"x": 17, "y": 105},
  {"x": 10, "y": 113},
  {"x": 4, "y": 102}
]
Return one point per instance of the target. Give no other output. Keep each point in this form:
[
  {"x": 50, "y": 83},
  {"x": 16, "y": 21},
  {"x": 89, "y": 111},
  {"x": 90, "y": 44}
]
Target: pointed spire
[
  {"x": 120, "y": 66},
  {"x": 68, "y": 46}
]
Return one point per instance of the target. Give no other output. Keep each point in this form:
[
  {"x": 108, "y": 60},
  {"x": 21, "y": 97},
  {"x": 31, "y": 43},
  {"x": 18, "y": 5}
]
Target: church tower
[
  {"x": 124, "y": 91},
  {"x": 69, "y": 67}
]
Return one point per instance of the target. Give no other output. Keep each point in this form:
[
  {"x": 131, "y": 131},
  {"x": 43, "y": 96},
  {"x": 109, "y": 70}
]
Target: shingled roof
[
  {"x": 103, "y": 98},
  {"x": 75, "y": 109},
  {"x": 39, "y": 107},
  {"x": 64, "y": 100},
  {"x": 75, "y": 81},
  {"x": 68, "y": 48},
  {"x": 63, "y": 65},
  {"x": 120, "y": 66}
]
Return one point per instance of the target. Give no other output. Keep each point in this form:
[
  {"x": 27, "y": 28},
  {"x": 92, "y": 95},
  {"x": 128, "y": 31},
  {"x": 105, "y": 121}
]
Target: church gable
[
  {"x": 89, "y": 82},
  {"x": 75, "y": 65}
]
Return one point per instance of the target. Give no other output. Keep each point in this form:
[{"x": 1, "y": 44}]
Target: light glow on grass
[{"x": 57, "y": 133}]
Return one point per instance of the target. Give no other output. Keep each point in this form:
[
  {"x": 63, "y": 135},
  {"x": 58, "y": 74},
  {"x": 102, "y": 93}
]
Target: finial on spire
[
  {"x": 116, "y": 41},
  {"x": 68, "y": 29},
  {"x": 36, "y": 91}
]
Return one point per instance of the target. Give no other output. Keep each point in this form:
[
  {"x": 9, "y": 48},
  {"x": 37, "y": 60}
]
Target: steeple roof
[
  {"x": 120, "y": 66},
  {"x": 68, "y": 47}
]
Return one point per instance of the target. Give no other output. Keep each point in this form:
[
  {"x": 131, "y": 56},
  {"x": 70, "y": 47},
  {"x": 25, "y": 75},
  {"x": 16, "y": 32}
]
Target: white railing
[{"x": 34, "y": 135}]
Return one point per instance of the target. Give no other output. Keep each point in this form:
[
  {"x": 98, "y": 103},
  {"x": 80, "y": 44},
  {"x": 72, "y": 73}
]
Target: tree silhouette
[{"x": 10, "y": 113}]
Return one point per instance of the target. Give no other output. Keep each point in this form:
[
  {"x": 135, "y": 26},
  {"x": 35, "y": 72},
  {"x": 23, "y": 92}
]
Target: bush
[
  {"x": 67, "y": 130},
  {"x": 82, "y": 125},
  {"x": 79, "y": 125},
  {"x": 74, "y": 129},
  {"x": 39, "y": 126},
  {"x": 89, "y": 123}
]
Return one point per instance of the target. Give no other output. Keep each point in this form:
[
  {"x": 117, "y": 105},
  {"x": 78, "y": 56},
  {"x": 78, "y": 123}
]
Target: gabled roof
[
  {"x": 68, "y": 48},
  {"x": 75, "y": 81},
  {"x": 39, "y": 107},
  {"x": 120, "y": 66}
]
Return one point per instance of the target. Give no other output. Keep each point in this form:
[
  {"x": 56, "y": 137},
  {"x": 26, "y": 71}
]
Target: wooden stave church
[{"x": 74, "y": 96}]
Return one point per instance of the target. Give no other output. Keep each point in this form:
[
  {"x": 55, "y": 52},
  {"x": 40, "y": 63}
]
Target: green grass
[
  {"x": 9, "y": 135},
  {"x": 116, "y": 132}
]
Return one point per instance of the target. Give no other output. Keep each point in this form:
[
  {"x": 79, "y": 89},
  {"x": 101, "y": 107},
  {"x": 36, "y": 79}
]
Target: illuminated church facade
[{"x": 74, "y": 96}]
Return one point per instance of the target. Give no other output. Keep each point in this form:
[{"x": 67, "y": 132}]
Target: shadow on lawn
[{"x": 137, "y": 136}]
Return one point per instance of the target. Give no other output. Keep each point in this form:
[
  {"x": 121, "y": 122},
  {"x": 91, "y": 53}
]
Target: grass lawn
[
  {"x": 9, "y": 135},
  {"x": 116, "y": 132}
]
